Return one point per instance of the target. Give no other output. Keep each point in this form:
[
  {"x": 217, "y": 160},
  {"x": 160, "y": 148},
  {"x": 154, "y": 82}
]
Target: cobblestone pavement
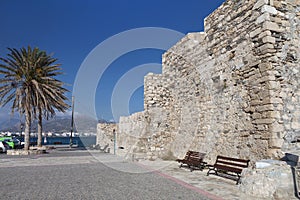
[{"x": 85, "y": 174}]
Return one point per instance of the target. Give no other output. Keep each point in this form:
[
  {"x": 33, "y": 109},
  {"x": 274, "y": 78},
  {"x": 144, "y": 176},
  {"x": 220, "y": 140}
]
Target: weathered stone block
[
  {"x": 273, "y": 85},
  {"x": 264, "y": 121},
  {"x": 271, "y": 26},
  {"x": 295, "y": 124},
  {"x": 255, "y": 32},
  {"x": 266, "y": 78},
  {"x": 275, "y": 143},
  {"x": 269, "y": 107},
  {"x": 269, "y": 39},
  {"x": 256, "y": 115},
  {"x": 273, "y": 114},
  {"x": 255, "y": 102},
  {"x": 264, "y": 17},
  {"x": 268, "y": 9},
  {"x": 264, "y": 34},
  {"x": 272, "y": 181},
  {"x": 265, "y": 67},
  {"x": 264, "y": 48},
  {"x": 259, "y": 4},
  {"x": 277, "y": 128},
  {"x": 272, "y": 100}
]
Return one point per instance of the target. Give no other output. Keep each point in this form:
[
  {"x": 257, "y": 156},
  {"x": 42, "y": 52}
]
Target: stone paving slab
[
  {"x": 211, "y": 186},
  {"x": 222, "y": 187},
  {"x": 216, "y": 185},
  {"x": 68, "y": 177}
]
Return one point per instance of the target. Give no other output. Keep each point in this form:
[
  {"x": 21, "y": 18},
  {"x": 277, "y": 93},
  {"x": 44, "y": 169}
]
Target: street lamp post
[
  {"x": 114, "y": 133},
  {"x": 72, "y": 123}
]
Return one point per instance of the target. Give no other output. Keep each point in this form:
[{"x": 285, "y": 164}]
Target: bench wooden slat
[
  {"x": 233, "y": 159},
  {"x": 234, "y": 164},
  {"x": 225, "y": 164},
  {"x": 228, "y": 168}
]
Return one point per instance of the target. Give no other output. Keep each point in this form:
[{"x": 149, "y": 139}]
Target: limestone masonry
[{"x": 231, "y": 90}]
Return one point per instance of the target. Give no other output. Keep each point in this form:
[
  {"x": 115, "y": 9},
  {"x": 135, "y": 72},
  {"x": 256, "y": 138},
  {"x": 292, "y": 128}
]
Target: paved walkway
[{"x": 35, "y": 170}]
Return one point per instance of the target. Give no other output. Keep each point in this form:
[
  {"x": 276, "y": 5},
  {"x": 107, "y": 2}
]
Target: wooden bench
[
  {"x": 193, "y": 160},
  {"x": 230, "y": 167},
  {"x": 186, "y": 157}
]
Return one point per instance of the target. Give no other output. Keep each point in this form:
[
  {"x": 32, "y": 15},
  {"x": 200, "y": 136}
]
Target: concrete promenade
[{"x": 83, "y": 174}]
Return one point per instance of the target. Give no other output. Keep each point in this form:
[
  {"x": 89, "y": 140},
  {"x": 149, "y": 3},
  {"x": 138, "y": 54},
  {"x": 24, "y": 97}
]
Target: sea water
[{"x": 85, "y": 141}]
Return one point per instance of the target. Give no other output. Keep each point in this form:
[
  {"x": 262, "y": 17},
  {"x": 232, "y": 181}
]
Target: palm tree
[
  {"x": 49, "y": 92},
  {"x": 16, "y": 86},
  {"x": 29, "y": 83}
]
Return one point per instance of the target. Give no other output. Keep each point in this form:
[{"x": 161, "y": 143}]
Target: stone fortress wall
[{"x": 232, "y": 89}]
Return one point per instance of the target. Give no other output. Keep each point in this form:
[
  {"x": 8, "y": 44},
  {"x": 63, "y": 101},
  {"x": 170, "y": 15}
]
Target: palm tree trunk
[
  {"x": 40, "y": 129},
  {"x": 27, "y": 129}
]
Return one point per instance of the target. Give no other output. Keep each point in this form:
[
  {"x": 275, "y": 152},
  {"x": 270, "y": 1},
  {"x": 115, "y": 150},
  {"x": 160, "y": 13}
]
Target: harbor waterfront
[{"x": 82, "y": 141}]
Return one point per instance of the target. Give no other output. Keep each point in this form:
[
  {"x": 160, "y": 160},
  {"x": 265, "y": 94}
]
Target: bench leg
[
  {"x": 208, "y": 172},
  {"x": 214, "y": 169},
  {"x": 202, "y": 166},
  {"x": 238, "y": 180}
]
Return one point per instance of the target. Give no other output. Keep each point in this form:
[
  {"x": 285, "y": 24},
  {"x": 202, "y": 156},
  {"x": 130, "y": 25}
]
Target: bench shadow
[{"x": 292, "y": 160}]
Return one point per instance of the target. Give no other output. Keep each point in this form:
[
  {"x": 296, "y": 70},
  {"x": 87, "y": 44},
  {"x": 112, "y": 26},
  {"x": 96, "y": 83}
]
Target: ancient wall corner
[
  {"x": 105, "y": 134},
  {"x": 274, "y": 44}
]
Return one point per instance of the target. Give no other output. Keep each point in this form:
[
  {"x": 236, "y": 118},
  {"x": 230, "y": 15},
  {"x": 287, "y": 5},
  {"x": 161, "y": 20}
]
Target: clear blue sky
[{"x": 72, "y": 29}]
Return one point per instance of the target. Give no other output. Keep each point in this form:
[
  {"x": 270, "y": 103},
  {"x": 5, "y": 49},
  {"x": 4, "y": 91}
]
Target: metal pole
[
  {"x": 72, "y": 123},
  {"x": 296, "y": 172},
  {"x": 114, "y": 132},
  {"x": 21, "y": 130}
]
